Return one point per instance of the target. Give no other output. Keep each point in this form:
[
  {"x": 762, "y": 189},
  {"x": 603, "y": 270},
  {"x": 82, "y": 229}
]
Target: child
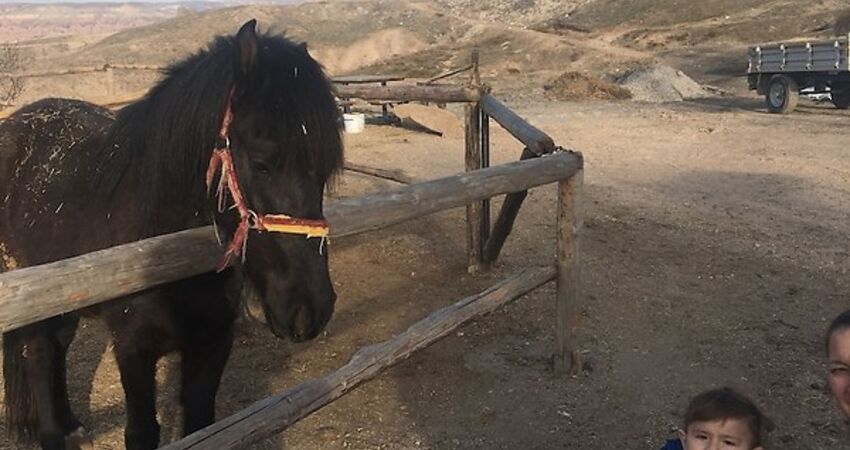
[
  {"x": 838, "y": 352},
  {"x": 720, "y": 419}
]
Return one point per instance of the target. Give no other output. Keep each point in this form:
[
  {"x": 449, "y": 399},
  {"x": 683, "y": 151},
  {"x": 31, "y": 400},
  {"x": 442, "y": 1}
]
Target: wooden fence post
[
  {"x": 474, "y": 242},
  {"x": 567, "y": 358},
  {"x": 485, "y": 204}
]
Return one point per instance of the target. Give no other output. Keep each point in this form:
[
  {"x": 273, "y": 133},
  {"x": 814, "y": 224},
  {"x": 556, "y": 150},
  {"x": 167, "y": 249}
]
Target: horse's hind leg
[
  {"x": 36, "y": 387},
  {"x": 202, "y": 366},
  {"x": 75, "y": 434},
  {"x": 64, "y": 336}
]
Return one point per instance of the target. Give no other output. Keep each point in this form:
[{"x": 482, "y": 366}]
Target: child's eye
[{"x": 837, "y": 370}]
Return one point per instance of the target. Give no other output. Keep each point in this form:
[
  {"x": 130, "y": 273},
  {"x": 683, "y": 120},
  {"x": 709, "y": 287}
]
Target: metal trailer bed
[{"x": 780, "y": 71}]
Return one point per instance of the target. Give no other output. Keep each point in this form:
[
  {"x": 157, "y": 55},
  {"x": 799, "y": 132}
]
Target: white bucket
[{"x": 354, "y": 123}]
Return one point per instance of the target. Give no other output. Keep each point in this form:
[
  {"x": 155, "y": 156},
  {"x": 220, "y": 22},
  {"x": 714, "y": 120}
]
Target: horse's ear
[{"x": 247, "y": 47}]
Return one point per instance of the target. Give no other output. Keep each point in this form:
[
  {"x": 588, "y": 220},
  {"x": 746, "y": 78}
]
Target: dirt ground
[{"x": 714, "y": 252}]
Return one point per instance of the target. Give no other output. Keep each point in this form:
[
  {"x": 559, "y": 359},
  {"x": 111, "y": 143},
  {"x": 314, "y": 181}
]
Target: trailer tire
[
  {"x": 841, "y": 98},
  {"x": 782, "y": 94}
]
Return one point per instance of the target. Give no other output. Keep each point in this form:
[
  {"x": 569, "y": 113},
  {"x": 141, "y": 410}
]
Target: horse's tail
[{"x": 21, "y": 414}]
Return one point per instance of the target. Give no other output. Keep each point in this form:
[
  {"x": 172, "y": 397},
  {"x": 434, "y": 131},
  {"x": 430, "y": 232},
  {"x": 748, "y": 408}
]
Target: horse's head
[{"x": 285, "y": 144}]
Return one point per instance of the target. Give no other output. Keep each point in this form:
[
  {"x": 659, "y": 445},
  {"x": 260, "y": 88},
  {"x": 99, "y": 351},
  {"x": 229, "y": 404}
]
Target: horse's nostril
[{"x": 301, "y": 322}]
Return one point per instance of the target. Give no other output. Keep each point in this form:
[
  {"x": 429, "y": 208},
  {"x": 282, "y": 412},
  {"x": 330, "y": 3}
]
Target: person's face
[
  {"x": 721, "y": 434},
  {"x": 839, "y": 368}
]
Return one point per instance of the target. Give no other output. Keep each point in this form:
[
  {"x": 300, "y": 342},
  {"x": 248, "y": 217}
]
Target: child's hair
[
  {"x": 839, "y": 323},
  {"x": 726, "y": 403}
]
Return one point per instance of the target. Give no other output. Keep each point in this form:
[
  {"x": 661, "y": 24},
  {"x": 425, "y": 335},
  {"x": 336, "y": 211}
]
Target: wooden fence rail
[
  {"x": 437, "y": 93},
  {"x": 274, "y": 414},
  {"x": 536, "y": 140},
  {"x": 36, "y": 293}
]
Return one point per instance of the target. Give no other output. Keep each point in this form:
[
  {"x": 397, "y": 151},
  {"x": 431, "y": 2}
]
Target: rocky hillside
[
  {"x": 524, "y": 44},
  {"x": 343, "y": 38}
]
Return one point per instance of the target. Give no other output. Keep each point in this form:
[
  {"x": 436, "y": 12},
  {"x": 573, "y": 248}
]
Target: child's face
[
  {"x": 721, "y": 434},
  {"x": 839, "y": 368}
]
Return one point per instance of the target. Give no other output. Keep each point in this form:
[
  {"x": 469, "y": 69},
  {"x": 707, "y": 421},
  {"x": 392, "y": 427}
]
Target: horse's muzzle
[{"x": 305, "y": 321}]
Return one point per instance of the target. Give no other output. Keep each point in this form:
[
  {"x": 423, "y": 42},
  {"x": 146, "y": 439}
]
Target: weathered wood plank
[
  {"x": 39, "y": 292},
  {"x": 485, "y": 204},
  {"x": 35, "y": 293},
  {"x": 505, "y": 221},
  {"x": 356, "y": 215},
  {"x": 436, "y": 93},
  {"x": 387, "y": 174},
  {"x": 446, "y": 75},
  {"x": 472, "y": 160},
  {"x": 274, "y": 414},
  {"x": 536, "y": 140},
  {"x": 362, "y": 79},
  {"x": 568, "y": 314}
]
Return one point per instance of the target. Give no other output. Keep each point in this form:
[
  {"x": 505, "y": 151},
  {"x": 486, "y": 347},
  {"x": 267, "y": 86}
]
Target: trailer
[{"x": 780, "y": 71}]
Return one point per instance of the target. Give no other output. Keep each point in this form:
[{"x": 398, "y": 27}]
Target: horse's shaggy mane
[{"x": 170, "y": 133}]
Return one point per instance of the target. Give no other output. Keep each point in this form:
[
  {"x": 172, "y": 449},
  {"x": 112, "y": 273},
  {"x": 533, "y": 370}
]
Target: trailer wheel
[
  {"x": 841, "y": 98},
  {"x": 782, "y": 94}
]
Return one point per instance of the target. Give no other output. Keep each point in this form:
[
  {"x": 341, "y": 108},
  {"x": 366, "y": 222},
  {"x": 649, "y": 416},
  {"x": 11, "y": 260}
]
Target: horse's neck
[
  {"x": 173, "y": 211},
  {"x": 170, "y": 197}
]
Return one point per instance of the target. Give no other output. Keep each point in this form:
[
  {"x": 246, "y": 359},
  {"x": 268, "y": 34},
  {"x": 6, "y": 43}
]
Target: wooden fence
[{"x": 35, "y": 293}]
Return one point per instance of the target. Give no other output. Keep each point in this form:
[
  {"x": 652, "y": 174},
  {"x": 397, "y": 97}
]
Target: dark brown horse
[{"x": 75, "y": 178}]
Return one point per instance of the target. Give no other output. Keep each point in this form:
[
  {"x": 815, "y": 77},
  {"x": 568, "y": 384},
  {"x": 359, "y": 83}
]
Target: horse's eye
[{"x": 262, "y": 167}]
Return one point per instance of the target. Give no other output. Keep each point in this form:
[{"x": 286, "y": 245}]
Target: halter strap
[{"x": 222, "y": 160}]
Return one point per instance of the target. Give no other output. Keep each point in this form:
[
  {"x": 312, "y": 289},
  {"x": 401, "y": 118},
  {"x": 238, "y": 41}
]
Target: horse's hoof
[{"x": 79, "y": 440}]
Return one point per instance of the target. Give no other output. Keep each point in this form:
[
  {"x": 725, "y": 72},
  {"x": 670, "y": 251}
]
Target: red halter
[{"x": 222, "y": 159}]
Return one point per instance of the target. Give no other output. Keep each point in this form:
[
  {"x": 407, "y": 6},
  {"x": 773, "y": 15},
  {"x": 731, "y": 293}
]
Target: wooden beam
[
  {"x": 485, "y": 204},
  {"x": 387, "y": 174},
  {"x": 372, "y": 212},
  {"x": 568, "y": 314},
  {"x": 536, "y": 140},
  {"x": 476, "y": 75},
  {"x": 446, "y": 75},
  {"x": 277, "y": 413},
  {"x": 438, "y": 93},
  {"x": 474, "y": 244},
  {"x": 505, "y": 222},
  {"x": 36, "y": 293}
]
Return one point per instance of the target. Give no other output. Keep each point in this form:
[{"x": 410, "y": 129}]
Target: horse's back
[
  {"x": 48, "y": 159},
  {"x": 53, "y": 123}
]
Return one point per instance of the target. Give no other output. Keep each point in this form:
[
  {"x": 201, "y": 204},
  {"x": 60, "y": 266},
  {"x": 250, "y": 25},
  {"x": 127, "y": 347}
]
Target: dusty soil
[{"x": 714, "y": 246}]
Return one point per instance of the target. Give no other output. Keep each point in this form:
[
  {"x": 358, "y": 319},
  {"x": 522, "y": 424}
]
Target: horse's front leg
[
  {"x": 143, "y": 330},
  {"x": 138, "y": 377},
  {"x": 202, "y": 366}
]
